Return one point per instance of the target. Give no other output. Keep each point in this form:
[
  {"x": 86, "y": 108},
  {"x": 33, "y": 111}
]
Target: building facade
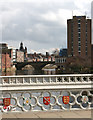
[
  {"x": 6, "y": 56},
  {"x": 23, "y": 50},
  {"x": 19, "y": 56},
  {"x": 79, "y": 38},
  {"x": 6, "y": 61},
  {"x": 92, "y": 55}
]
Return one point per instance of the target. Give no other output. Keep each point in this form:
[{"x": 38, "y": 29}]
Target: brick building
[
  {"x": 92, "y": 55},
  {"x": 79, "y": 40},
  {"x": 6, "y": 57},
  {"x": 6, "y": 61}
]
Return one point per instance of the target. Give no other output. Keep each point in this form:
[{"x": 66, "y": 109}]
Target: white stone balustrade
[{"x": 47, "y": 92}]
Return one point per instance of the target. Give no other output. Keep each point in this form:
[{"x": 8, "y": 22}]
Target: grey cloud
[
  {"x": 44, "y": 33},
  {"x": 28, "y": 20}
]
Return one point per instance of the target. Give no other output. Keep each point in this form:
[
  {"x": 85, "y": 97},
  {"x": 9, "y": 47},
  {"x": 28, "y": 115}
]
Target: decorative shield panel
[
  {"x": 46, "y": 100},
  {"x": 6, "y": 101},
  {"x": 65, "y": 99}
]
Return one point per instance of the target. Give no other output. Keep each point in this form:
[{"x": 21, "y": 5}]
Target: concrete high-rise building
[
  {"x": 92, "y": 9},
  {"x": 92, "y": 32},
  {"x": 92, "y": 55},
  {"x": 79, "y": 38}
]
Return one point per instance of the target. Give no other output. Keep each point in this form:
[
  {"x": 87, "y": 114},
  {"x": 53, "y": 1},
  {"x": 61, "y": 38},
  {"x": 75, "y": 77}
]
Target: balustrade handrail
[
  {"x": 65, "y": 75},
  {"x": 46, "y": 79},
  {"x": 70, "y": 81}
]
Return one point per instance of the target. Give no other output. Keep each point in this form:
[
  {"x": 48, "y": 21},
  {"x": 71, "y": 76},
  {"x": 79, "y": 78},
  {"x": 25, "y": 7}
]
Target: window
[
  {"x": 63, "y": 60},
  {"x": 72, "y": 43},
  {"x": 72, "y": 53},
  {"x": 86, "y": 26},
  {"x": 72, "y": 26},
  {"x": 78, "y": 34},
  {"x": 78, "y": 20},
  {"x": 79, "y": 44},
  {"x": 72, "y": 29},
  {"x": 86, "y": 49},
  {"x": 79, "y": 52},
  {"x": 71, "y": 34},
  {"x": 79, "y": 48},
  {"x": 72, "y": 49},
  {"x": 86, "y": 35},
  {"x": 86, "y": 30},
  {"x": 86, "y": 52},
  {"x": 78, "y": 25},
  {"x": 79, "y": 30},
  {"x": 79, "y": 39},
  {"x": 86, "y": 44}
]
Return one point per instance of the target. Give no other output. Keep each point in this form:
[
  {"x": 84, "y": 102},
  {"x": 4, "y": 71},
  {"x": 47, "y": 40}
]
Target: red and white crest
[
  {"x": 6, "y": 101},
  {"x": 46, "y": 100},
  {"x": 65, "y": 99}
]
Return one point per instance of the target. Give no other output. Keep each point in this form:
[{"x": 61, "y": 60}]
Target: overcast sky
[{"x": 40, "y": 24}]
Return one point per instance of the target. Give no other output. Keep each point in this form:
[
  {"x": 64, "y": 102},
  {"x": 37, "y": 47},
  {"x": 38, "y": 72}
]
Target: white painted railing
[
  {"x": 43, "y": 79},
  {"x": 47, "y": 92}
]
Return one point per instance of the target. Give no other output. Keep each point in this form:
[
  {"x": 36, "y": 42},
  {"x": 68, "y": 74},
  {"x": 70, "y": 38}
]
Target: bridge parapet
[{"x": 47, "y": 92}]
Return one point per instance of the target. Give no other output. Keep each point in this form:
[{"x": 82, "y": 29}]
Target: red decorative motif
[
  {"x": 5, "y": 107},
  {"x": 46, "y": 100},
  {"x": 6, "y": 101},
  {"x": 65, "y": 99}
]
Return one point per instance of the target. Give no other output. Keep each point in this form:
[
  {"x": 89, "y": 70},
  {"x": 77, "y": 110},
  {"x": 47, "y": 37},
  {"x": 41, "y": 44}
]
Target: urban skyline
[
  {"x": 79, "y": 49},
  {"x": 40, "y": 28}
]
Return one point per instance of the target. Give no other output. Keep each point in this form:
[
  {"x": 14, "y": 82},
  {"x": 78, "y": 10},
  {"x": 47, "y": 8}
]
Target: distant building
[
  {"x": 6, "y": 61},
  {"x": 56, "y": 52},
  {"x": 23, "y": 50},
  {"x": 19, "y": 56},
  {"x": 14, "y": 55},
  {"x": 63, "y": 53},
  {"x": 6, "y": 56},
  {"x": 0, "y": 61},
  {"x": 3, "y": 46},
  {"x": 60, "y": 60},
  {"x": 79, "y": 39},
  {"x": 40, "y": 57},
  {"x": 47, "y": 54}
]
